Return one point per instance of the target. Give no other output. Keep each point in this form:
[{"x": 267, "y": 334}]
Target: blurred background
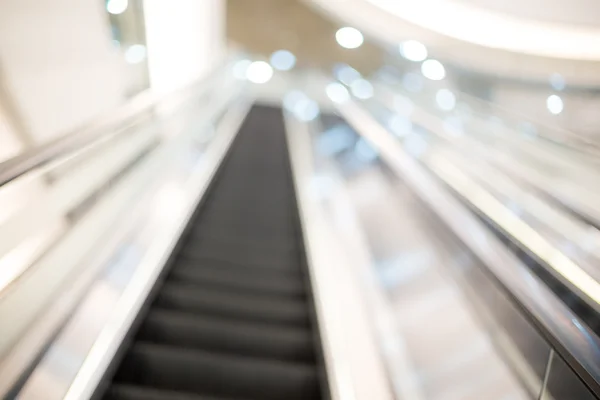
[{"x": 427, "y": 168}]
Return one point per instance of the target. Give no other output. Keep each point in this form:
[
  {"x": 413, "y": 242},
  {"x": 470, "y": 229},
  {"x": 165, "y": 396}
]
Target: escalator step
[
  {"x": 217, "y": 334},
  {"x": 233, "y": 305},
  {"x": 130, "y": 392},
  {"x": 209, "y": 247},
  {"x": 231, "y": 239},
  {"x": 165, "y": 367},
  {"x": 232, "y": 317},
  {"x": 230, "y": 259},
  {"x": 240, "y": 255},
  {"x": 241, "y": 280},
  {"x": 190, "y": 264}
]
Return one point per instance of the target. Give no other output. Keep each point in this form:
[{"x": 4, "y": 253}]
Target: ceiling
[
  {"x": 478, "y": 40},
  {"x": 264, "y": 26},
  {"x": 583, "y": 13}
]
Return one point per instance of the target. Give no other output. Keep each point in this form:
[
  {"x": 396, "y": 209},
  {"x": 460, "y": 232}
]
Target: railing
[
  {"x": 98, "y": 172},
  {"x": 532, "y": 325},
  {"x": 105, "y": 127},
  {"x": 560, "y": 136},
  {"x": 511, "y": 120}
]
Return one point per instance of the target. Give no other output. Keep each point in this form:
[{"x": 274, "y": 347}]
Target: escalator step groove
[
  {"x": 131, "y": 392},
  {"x": 217, "y": 374},
  {"x": 232, "y": 318},
  {"x": 200, "y": 332},
  {"x": 245, "y": 283},
  {"x": 233, "y": 305}
]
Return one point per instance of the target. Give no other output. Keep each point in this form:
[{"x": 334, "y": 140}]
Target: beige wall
[{"x": 264, "y": 26}]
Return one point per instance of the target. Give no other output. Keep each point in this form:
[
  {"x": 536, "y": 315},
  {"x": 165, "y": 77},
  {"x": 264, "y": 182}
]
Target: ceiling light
[
  {"x": 413, "y": 50},
  {"x": 349, "y": 38},
  {"x": 283, "y": 60},
  {"x": 433, "y": 69},
  {"x": 116, "y": 7},
  {"x": 259, "y": 72},
  {"x": 555, "y": 104}
]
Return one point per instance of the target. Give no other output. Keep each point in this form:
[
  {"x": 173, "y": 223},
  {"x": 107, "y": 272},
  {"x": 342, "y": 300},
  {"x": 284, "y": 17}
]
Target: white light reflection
[
  {"x": 557, "y": 82},
  {"x": 169, "y": 202},
  {"x": 117, "y": 7},
  {"x": 412, "y": 82},
  {"x": 399, "y": 125},
  {"x": 283, "y": 60},
  {"x": 527, "y": 129},
  {"x": 299, "y": 104},
  {"x": 445, "y": 99},
  {"x": 337, "y": 92},
  {"x": 403, "y": 105},
  {"x": 388, "y": 75},
  {"x": 362, "y": 89},
  {"x": 291, "y": 99},
  {"x": 306, "y": 109},
  {"x": 364, "y": 151},
  {"x": 335, "y": 140},
  {"x": 346, "y": 74},
  {"x": 413, "y": 50},
  {"x": 259, "y": 72},
  {"x": 240, "y": 68},
  {"x": 433, "y": 69},
  {"x": 415, "y": 145},
  {"x": 320, "y": 186},
  {"x": 453, "y": 126},
  {"x": 135, "y": 54},
  {"x": 555, "y": 104},
  {"x": 349, "y": 38}
]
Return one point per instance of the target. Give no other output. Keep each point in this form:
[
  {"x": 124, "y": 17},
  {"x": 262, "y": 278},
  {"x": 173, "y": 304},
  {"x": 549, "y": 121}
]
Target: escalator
[{"x": 233, "y": 317}]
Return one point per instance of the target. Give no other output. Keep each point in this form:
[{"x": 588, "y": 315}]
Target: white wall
[
  {"x": 185, "y": 38},
  {"x": 58, "y": 63},
  {"x": 9, "y": 144},
  {"x": 576, "y": 12}
]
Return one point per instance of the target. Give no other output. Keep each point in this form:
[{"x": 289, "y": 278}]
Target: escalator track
[{"x": 233, "y": 317}]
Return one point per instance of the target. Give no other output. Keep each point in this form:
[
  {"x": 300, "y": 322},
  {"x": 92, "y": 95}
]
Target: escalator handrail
[
  {"x": 573, "y": 341},
  {"x": 558, "y": 135},
  {"x": 99, "y": 129}
]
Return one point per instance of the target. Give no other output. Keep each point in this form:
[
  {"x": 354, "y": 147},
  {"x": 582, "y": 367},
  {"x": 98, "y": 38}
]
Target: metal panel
[{"x": 564, "y": 384}]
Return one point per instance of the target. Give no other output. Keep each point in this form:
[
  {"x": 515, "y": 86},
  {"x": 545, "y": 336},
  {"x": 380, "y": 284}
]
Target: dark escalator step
[
  {"x": 235, "y": 290},
  {"x": 131, "y": 392},
  {"x": 246, "y": 232},
  {"x": 260, "y": 224},
  {"x": 265, "y": 233},
  {"x": 233, "y": 318},
  {"x": 231, "y": 260},
  {"x": 247, "y": 210},
  {"x": 240, "y": 255},
  {"x": 190, "y": 264},
  {"x": 212, "y": 246},
  {"x": 279, "y": 243},
  {"x": 267, "y": 214},
  {"x": 260, "y": 200},
  {"x": 221, "y": 335},
  {"x": 169, "y": 368},
  {"x": 233, "y": 305},
  {"x": 271, "y": 285}
]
